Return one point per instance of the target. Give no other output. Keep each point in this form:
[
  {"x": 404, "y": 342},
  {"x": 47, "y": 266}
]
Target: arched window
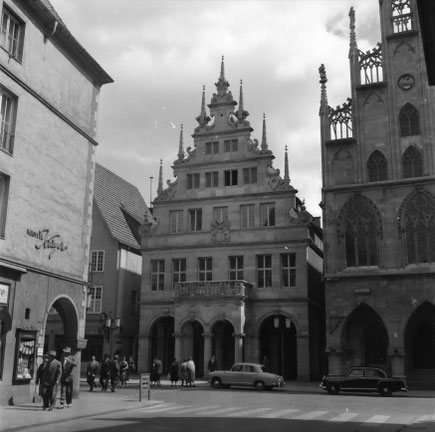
[
  {"x": 361, "y": 222},
  {"x": 412, "y": 163},
  {"x": 418, "y": 223},
  {"x": 377, "y": 167},
  {"x": 409, "y": 120}
]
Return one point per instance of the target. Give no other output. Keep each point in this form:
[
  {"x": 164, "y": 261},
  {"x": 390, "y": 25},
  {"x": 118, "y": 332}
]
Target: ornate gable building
[
  {"x": 232, "y": 261},
  {"x": 379, "y": 204}
]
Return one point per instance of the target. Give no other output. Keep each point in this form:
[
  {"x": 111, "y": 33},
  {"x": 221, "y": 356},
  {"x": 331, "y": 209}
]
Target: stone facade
[
  {"x": 231, "y": 258},
  {"x": 378, "y": 169},
  {"x": 49, "y": 88}
]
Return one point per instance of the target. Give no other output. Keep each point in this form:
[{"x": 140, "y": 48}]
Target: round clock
[{"x": 406, "y": 82}]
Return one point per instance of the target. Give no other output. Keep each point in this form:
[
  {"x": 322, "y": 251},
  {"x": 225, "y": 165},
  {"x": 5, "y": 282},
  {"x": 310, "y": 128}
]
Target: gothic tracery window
[
  {"x": 377, "y": 167},
  {"x": 361, "y": 229},
  {"x": 418, "y": 223},
  {"x": 409, "y": 120},
  {"x": 412, "y": 163}
]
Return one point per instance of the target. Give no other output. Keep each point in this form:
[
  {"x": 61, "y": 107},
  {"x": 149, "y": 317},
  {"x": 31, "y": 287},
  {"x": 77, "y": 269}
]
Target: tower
[{"x": 378, "y": 170}]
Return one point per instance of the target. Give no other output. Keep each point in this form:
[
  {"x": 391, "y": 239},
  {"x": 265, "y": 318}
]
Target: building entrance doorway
[
  {"x": 192, "y": 340},
  {"x": 162, "y": 342},
  {"x": 223, "y": 344}
]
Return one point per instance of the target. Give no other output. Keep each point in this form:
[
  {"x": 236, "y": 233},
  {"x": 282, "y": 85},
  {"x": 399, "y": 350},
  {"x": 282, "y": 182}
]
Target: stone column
[
  {"x": 238, "y": 347},
  {"x": 335, "y": 360},
  {"x": 207, "y": 350},
  {"x": 303, "y": 355},
  {"x": 178, "y": 346},
  {"x": 397, "y": 360},
  {"x": 252, "y": 350},
  {"x": 143, "y": 365}
]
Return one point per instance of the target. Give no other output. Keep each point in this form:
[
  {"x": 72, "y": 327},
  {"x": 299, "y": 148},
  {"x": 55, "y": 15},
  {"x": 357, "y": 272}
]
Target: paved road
[{"x": 205, "y": 409}]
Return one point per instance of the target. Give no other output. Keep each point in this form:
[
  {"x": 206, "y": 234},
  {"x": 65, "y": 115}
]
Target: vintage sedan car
[
  {"x": 363, "y": 379},
  {"x": 246, "y": 374}
]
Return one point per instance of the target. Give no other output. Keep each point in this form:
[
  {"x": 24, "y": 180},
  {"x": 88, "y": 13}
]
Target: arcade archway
[
  {"x": 223, "y": 344},
  {"x": 192, "y": 341},
  {"x": 162, "y": 342}
]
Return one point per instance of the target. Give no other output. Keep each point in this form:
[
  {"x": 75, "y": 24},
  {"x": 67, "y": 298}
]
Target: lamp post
[
  {"x": 110, "y": 326},
  {"x": 282, "y": 326}
]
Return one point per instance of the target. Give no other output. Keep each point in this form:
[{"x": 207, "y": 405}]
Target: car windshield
[{"x": 263, "y": 368}]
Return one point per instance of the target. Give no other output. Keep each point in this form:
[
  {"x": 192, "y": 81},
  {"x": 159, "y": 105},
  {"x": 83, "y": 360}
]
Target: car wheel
[
  {"x": 259, "y": 385},
  {"x": 385, "y": 391},
  {"x": 216, "y": 383},
  {"x": 333, "y": 389}
]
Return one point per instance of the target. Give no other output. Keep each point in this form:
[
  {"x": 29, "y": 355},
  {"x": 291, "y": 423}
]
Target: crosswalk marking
[
  {"x": 310, "y": 416},
  {"x": 377, "y": 419},
  {"x": 163, "y": 408},
  {"x": 195, "y": 409},
  {"x": 249, "y": 412},
  {"x": 426, "y": 418},
  {"x": 281, "y": 413},
  {"x": 344, "y": 417},
  {"x": 221, "y": 411}
]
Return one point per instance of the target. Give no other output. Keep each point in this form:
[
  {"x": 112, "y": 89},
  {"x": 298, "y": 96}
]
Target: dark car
[
  {"x": 363, "y": 379},
  {"x": 246, "y": 374}
]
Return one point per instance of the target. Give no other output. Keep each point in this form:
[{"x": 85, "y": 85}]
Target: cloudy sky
[{"x": 161, "y": 53}]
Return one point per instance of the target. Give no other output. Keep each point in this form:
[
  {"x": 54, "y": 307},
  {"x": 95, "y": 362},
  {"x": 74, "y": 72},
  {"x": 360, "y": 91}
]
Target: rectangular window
[
  {"x": 4, "y": 198},
  {"x": 157, "y": 275},
  {"x": 96, "y": 299},
  {"x": 193, "y": 181},
  {"x": 212, "y": 147},
  {"x": 250, "y": 175},
  {"x": 178, "y": 270},
  {"x": 195, "y": 220},
  {"x": 12, "y": 34},
  {"x": 230, "y": 178},
  {"x": 176, "y": 221},
  {"x": 220, "y": 213},
  {"x": 205, "y": 271},
  {"x": 247, "y": 216},
  {"x": 97, "y": 261},
  {"x": 230, "y": 146},
  {"x": 264, "y": 271},
  {"x": 288, "y": 270},
  {"x": 212, "y": 179},
  {"x": 235, "y": 264},
  {"x": 7, "y": 120},
  {"x": 267, "y": 214}
]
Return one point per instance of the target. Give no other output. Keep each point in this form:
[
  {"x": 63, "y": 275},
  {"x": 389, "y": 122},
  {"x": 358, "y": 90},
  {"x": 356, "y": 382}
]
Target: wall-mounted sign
[
  {"x": 4, "y": 294},
  {"x": 46, "y": 240}
]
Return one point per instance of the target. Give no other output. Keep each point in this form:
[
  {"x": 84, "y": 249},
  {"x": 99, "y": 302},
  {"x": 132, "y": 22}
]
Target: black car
[{"x": 363, "y": 379}]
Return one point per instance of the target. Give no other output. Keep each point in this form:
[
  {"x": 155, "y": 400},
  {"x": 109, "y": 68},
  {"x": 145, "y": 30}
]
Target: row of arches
[
  {"x": 360, "y": 225},
  {"x": 277, "y": 340}
]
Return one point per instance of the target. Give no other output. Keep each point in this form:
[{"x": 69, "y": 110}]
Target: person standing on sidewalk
[
  {"x": 91, "y": 372},
  {"x": 123, "y": 371},
  {"x": 114, "y": 372},
  {"x": 105, "y": 372},
  {"x": 67, "y": 380},
  {"x": 40, "y": 374},
  {"x": 50, "y": 380},
  {"x": 191, "y": 371}
]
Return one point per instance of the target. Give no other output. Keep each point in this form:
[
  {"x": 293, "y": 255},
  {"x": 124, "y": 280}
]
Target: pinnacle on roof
[
  {"x": 222, "y": 84},
  {"x": 181, "y": 145},
  {"x": 264, "y": 145},
  {"x": 353, "y": 47},
  {"x": 241, "y": 113},
  {"x": 160, "y": 185},
  {"x": 324, "y": 108},
  {"x": 286, "y": 169},
  {"x": 203, "y": 118}
]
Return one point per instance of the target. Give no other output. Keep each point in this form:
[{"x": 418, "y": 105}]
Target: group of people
[
  {"x": 52, "y": 372},
  {"x": 111, "y": 372}
]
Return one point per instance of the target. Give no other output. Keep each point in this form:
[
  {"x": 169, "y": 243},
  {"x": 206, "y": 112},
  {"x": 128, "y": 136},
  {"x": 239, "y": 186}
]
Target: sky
[{"x": 161, "y": 54}]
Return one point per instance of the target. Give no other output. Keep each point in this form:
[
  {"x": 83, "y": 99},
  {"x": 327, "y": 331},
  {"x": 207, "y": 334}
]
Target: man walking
[
  {"x": 91, "y": 372},
  {"x": 67, "y": 378},
  {"x": 50, "y": 380}
]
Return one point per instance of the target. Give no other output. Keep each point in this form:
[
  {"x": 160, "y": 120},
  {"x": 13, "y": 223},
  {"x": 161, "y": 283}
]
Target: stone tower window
[
  {"x": 409, "y": 121},
  {"x": 402, "y": 16},
  {"x": 361, "y": 222},
  {"x": 377, "y": 167},
  {"x": 412, "y": 163},
  {"x": 419, "y": 226}
]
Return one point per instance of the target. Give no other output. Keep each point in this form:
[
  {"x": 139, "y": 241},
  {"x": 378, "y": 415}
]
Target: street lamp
[
  {"x": 110, "y": 326},
  {"x": 282, "y": 326}
]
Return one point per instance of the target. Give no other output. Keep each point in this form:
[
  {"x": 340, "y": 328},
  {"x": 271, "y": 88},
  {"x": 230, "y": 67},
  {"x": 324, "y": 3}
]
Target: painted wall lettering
[{"x": 53, "y": 242}]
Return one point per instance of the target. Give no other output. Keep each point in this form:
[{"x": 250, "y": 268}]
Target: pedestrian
[
  {"x": 67, "y": 379},
  {"x": 123, "y": 371},
  {"x": 50, "y": 380},
  {"x": 266, "y": 364},
  {"x": 184, "y": 372},
  {"x": 91, "y": 372},
  {"x": 105, "y": 372},
  {"x": 114, "y": 373},
  {"x": 174, "y": 372},
  {"x": 159, "y": 367},
  {"x": 40, "y": 374},
  {"x": 191, "y": 371},
  {"x": 131, "y": 366},
  {"x": 212, "y": 364},
  {"x": 154, "y": 376}
]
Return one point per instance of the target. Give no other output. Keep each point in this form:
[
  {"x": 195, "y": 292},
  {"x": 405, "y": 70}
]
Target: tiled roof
[{"x": 120, "y": 204}]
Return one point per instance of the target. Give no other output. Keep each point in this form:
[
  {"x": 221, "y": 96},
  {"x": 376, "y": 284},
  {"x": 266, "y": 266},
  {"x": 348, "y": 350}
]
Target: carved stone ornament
[
  {"x": 149, "y": 226},
  {"x": 220, "y": 231},
  {"x": 296, "y": 217},
  {"x": 169, "y": 192}
]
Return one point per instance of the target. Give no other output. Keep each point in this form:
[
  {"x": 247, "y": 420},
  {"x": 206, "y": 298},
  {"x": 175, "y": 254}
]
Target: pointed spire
[
  {"x": 181, "y": 145},
  {"x": 160, "y": 185},
  {"x": 222, "y": 84},
  {"x": 203, "y": 118},
  {"x": 222, "y": 76},
  {"x": 353, "y": 47},
  {"x": 264, "y": 145},
  {"x": 324, "y": 108},
  {"x": 240, "y": 113},
  {"x": 286, "y": 170}
]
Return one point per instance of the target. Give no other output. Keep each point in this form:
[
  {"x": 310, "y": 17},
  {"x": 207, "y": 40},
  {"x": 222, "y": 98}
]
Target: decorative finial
[
  {"x": 241, "y": 113},
  {"x": 264, "y": 145},
  {"x": 324, "y": 109},
  {"x": 160, "y": 185},
  {"x": 222, "y": 84},
  {"x": 353, "y": 47},
  {"x": 222, "y": 69},
  {"x": 181, "y": 145},
  {"x": 203, "y": 118},
  {"x": 286, "y": 170}
]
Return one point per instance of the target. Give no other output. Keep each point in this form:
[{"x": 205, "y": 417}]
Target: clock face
[{"x": 406, "y": 82}]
